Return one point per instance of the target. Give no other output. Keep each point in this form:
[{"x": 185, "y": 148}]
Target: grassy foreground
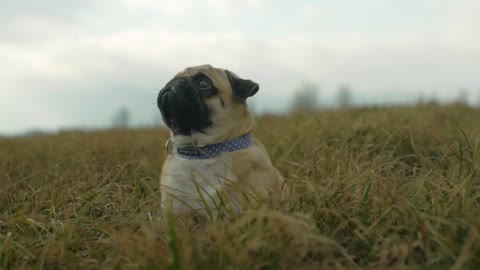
[{"x": 385, "y": 188}]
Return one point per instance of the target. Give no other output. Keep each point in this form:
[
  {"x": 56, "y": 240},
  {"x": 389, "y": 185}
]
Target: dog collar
[{"x": 214, "y": 150}]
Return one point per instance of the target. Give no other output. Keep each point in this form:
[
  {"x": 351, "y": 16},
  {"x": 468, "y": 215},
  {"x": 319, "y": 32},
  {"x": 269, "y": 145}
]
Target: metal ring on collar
[{"x": 167, "y": 144}]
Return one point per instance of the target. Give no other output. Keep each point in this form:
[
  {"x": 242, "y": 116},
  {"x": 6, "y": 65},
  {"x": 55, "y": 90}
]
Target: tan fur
[{"x": 185, "y": 182}]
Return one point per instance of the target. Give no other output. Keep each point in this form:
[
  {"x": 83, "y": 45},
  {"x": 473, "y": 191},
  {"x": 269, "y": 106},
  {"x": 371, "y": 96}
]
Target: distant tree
[
  {"x": 305, "y": 97},
  {"x": 478, "y": 102},
  {"x": 121, "y": 119},
  {"x": 423, "y": 99},
  {"x": 344, "y": 95},
  {"x": 462, "y": 97},
  {"x": 35, "y": 132}
]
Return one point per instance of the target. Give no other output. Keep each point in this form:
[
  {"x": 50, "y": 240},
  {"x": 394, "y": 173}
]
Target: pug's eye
[{"x": 203, "y": 84}]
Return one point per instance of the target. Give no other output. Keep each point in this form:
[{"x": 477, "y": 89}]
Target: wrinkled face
[{"x": 189, "y": 102}]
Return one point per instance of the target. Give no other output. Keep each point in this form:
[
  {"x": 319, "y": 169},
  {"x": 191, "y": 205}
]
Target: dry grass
[{"x": 372, "y": 188}]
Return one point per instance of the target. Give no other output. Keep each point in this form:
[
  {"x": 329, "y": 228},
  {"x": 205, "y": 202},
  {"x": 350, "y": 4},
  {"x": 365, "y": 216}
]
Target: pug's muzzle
[{"x": 182, "y": 107}]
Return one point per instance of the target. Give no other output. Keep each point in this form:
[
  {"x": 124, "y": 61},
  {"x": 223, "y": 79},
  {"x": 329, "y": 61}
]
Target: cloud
[
  {"x": 59, "y": 10},
  {"x": 173, "y": 8},
  {"x": 80, "y": 69},
  {"x": 411, "y": 62},
  {"x": 219, "y": 9},
  {"x": 461, "y": 25}
]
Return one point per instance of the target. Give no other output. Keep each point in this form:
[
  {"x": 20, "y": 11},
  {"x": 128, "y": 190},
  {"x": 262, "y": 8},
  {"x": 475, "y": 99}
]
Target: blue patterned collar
[{"x": 214, "y": 150}]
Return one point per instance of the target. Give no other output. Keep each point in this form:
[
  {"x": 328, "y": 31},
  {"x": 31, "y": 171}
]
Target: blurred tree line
[
  {"x": 305, "y": 97},
  {"x": 121, "y": 118}
]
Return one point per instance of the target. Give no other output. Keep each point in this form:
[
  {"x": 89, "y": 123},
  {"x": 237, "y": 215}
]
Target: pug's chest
[{"x": 187, "y": 176}]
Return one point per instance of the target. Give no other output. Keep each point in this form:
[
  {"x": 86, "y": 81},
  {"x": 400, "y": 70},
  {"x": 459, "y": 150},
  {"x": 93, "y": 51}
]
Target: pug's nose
[{"x": 179, "y": 82}]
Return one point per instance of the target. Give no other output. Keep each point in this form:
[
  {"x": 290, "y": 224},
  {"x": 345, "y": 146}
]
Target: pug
[{"x": 215, "y": 164}]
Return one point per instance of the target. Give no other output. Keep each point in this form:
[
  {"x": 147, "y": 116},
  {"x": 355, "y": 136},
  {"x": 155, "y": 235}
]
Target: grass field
[{"x": 376, "y": 188}]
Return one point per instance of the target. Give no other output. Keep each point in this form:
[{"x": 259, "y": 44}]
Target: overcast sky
[{"x": 74, "y": 63}]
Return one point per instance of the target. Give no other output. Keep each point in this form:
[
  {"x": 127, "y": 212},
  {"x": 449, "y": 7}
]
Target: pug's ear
[{"x": 242, "y": 89}]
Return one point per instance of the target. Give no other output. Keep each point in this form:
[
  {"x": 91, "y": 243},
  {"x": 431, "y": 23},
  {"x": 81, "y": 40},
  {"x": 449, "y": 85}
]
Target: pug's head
[{"x": 204, "y": 105}]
